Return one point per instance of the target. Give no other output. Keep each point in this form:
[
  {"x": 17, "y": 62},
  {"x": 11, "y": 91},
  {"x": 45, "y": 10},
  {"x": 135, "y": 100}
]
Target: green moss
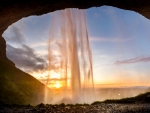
[{"x": 17, "y": 87}]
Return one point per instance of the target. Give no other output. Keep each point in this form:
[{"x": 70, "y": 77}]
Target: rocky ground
[{"x": 99, "y": 108}]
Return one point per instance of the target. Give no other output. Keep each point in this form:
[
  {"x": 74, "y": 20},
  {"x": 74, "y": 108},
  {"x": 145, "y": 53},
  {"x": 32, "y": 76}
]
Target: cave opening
[{"x": 120, "y": 48}]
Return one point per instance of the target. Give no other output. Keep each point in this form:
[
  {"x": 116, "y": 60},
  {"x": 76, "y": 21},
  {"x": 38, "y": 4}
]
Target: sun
[{"x": 57, "y": 85}]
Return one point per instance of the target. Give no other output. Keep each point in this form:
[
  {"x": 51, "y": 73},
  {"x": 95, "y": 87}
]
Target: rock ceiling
[{"x": 12, "y": 10}]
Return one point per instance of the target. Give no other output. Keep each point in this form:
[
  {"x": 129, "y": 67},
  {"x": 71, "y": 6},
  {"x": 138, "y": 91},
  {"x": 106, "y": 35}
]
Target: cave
[{"x": 12, "y": 11}]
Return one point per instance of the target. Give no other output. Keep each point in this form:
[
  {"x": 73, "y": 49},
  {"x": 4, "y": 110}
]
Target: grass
[
  {"x": 141, "y": 98},
  {"x": 17, "y": 87}
]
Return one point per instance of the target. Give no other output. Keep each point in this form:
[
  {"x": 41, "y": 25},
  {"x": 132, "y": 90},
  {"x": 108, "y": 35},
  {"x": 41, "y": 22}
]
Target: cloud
[
  {"x": 14, "y": 33},
  {"x": 26, "y": 59},
  {"x": 133, "y": 60},
  {"x": 40, "y": 44},
  {"x": 52, "y": 79},
  {"x": 101, "y": 39}
]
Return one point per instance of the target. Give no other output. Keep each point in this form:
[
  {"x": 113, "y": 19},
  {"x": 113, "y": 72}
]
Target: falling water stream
[{"x": 69, "y": 53}]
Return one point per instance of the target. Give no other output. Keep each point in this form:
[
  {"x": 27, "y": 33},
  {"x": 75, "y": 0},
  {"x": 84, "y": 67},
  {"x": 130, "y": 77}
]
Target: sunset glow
[
  {"x": 57, "y": 84},
  {"x": 119, "y": 44}
]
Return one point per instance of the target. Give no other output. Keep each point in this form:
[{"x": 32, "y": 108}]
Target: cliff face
[
  {"x": 12, "y": 10},
  {"x": 2, "y": 48}
]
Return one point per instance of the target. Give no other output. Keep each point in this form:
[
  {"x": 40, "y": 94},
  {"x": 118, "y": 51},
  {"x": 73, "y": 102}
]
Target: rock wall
[{"x": 2, "y": 48}]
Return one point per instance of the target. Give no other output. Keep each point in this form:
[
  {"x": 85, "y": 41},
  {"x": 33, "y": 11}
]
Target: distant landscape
[{"x": 118, "y": 93}]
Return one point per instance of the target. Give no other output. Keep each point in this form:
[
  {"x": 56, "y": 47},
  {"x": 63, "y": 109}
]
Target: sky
[{"x": 119, "y": 39}]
